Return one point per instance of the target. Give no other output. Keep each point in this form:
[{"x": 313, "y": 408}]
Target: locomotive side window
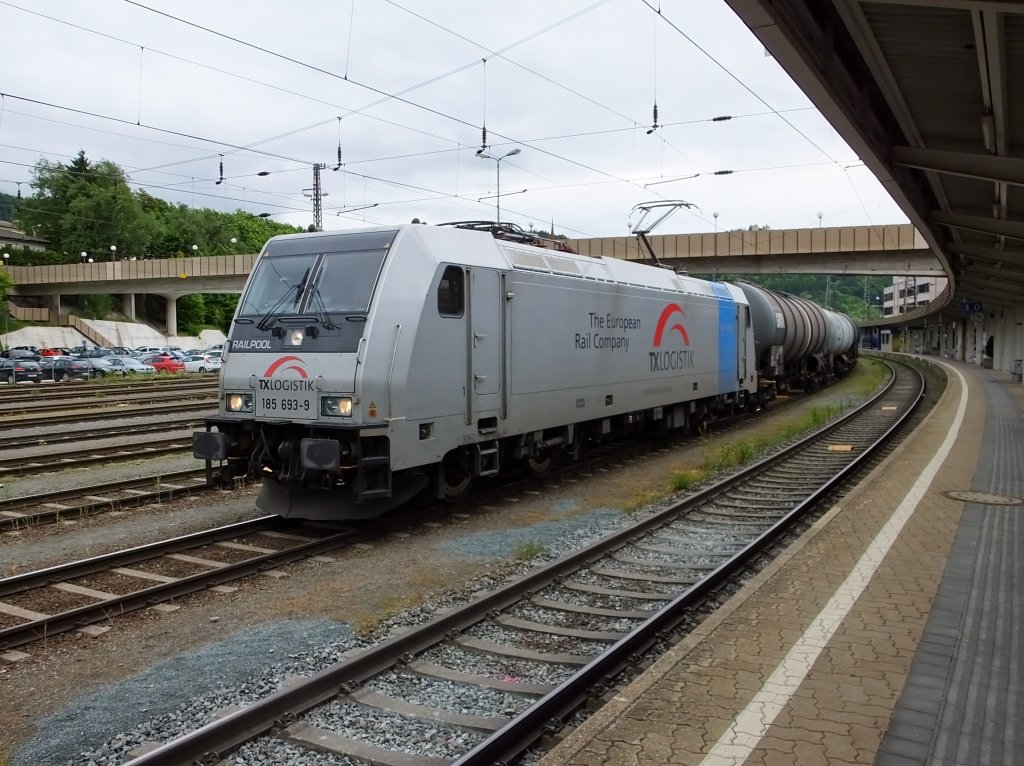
[{"x": 451, "y": 292}]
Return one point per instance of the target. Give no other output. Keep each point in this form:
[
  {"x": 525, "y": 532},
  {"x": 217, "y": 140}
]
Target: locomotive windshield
[
  {"x": 278, "y": 285},
  {"x": 337, "y": 277}
]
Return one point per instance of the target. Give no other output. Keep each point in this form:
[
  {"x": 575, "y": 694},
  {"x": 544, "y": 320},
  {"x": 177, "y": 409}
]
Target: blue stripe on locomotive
[{"x": 728, "y": 337}]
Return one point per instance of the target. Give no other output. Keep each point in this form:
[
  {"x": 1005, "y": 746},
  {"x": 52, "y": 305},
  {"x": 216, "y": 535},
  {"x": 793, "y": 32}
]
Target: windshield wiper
[
  {"x": 276, "y": 311},
  {"x": 271, "y": 317},
  {"x": 321, "y": 310}
]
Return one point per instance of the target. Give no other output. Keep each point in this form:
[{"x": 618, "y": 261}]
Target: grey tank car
[{"x": 369, "y": 366}]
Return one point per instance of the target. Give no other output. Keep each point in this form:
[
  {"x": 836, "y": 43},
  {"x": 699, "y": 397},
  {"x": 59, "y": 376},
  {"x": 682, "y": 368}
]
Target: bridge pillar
[
  {"x": 171, "y": 315},
  {"x": 128, "y": 305},
  {"x": 54, "y": 307}
]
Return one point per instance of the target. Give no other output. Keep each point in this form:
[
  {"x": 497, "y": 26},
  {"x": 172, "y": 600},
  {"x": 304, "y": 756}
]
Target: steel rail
[
  {"x": 92, "y": 402},
  {"x": 140, "y": 599},
  {"x": 82, "y": 434},
  {"x": 91, "y": 499},
  {"x": 89, "y": 388},
  {"x": 23, "y": 466},
  {"x": 207, "y": 406},
  {"x": 209, "y": 742},
  {"x": 527, "y": 727}
]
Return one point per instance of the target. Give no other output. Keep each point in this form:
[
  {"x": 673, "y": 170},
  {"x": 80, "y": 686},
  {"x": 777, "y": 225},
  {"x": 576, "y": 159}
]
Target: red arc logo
[
  {"x": 293, "y": 363},
  {"x": 666, "y": 315}
]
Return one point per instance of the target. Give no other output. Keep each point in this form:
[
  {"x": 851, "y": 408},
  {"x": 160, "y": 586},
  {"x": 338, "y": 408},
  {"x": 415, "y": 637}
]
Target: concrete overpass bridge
[{"x": 878, "y": 250}]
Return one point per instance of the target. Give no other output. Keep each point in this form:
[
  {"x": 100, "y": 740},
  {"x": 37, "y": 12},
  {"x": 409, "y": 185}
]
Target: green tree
[
  {"x": 84, "y": 206},
  {"x": 7, "y": 204},
  {"x": 191, "y": 314}
]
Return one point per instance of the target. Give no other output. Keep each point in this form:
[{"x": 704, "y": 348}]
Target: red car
[{"x": 164, "y": 363}]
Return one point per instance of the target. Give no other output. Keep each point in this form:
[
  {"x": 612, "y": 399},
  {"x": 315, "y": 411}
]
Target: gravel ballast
[{"x": 152, "y": 676}]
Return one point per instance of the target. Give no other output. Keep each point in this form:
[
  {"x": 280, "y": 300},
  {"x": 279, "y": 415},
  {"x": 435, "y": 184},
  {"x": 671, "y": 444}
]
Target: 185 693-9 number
[{"x": 270, "y": 404}]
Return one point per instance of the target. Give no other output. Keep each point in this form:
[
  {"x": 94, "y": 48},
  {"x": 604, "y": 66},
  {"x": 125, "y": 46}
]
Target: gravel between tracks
[{"x": 152, "y": 675}]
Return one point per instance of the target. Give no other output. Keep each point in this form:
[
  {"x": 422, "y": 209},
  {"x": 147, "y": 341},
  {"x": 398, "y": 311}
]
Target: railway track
[
  {"x": 84, "y": 434},
  {"x": 64, "y": 505},
  {"x": 481, "y": 683},
  {"x": 23, "y": 466},
  {"x": 72, "y": 596},
  {"x": 24, "y": 393},
  {"x": 93, "y": 400},
  {"x": 120, "y": 412}
]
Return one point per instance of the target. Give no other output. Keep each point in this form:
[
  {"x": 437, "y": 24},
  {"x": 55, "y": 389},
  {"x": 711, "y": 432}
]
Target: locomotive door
[{"x": 485, "y": 342}]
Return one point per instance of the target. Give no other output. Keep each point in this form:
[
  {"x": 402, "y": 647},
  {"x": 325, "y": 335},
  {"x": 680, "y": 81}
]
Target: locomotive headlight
[
  {"x": 293, "y": 338},
  {"x": 238, "y": 402},
  {"x": 336, "y": 406}
]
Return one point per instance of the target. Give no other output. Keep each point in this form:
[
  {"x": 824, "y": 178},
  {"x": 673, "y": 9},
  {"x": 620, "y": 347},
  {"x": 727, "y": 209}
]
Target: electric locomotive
[{"x": 364, "y": 367}]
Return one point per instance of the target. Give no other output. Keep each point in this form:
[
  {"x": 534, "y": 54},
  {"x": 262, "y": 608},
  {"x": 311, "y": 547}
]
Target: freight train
[{"x": 369, "y": 366}]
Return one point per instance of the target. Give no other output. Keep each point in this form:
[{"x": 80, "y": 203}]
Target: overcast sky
[{"x": 570, "y": 83}]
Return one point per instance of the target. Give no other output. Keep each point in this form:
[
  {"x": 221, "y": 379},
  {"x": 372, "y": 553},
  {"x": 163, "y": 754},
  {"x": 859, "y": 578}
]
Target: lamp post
[
  {"x": 84, "y": 255},
  {"x": 195, "y": 249},
  {"x": 7, "y": 257},
  {"x": 234, "y": 241},
  {"x": 497, "y": 160},
  {"x": 820, "y": 214},
  {"x": 113, "y": 252}
]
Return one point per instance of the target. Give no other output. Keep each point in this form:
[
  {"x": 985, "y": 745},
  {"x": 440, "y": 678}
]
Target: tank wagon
[
  {"x": 365, "y": 367},
  {"x": 798, "y": 344}
]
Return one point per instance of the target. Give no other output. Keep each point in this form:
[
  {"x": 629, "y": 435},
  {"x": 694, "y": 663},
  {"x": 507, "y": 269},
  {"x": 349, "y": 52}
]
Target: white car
[
  {"x": 202, "y": 363},
  {"x": 128, "y": 365}
]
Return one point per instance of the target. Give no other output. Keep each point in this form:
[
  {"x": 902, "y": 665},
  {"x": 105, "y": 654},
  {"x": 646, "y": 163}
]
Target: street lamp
[
  {"x": 7, "y": 257},
  {"x": 195, "y": 249},
  {"x": 497, "y": 160},
  {"x": 234, "y": 241},
  {"x": 113, "y": 252},
  {"x": 84, "y": 255},
  {"x": 820, "y": 214}
]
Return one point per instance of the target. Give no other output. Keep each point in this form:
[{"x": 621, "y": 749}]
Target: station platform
[{"x": 890, "y": 633}]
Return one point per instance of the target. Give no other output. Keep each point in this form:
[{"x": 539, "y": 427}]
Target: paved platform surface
[{"x": 890, "y": 633}]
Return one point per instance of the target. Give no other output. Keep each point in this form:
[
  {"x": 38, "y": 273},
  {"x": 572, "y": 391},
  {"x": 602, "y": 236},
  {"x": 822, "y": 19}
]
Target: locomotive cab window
[
  {"x": 329, "y": 274},
  {"x": 451, "y": 292}
]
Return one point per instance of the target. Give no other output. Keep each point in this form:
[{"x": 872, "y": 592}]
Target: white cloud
[{"x": 580, "y": 116}]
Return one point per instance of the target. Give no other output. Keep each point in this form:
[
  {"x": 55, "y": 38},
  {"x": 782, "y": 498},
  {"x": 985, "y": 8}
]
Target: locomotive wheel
[
  {"x": 542, "y": 464},
  {"x": 456, "y": 475},
  {"x": 538, "y": 466}
]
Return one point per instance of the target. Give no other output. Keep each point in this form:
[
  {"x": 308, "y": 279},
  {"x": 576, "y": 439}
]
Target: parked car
[
  {"x": 65, "y": 368},
  {"x": 165, "y": 363},
  {"x": 55, "y": 351},
  {"x": 202, "y": 363},
  {"x": 122, "y": 351},
  {"x": 150, "y": 350},
  {"x": 96, "y": 352},
  {"x": 103, "y": 367},
  {"x": 129, "y": 365},
  {"x": 20, "y": 352},
  {"x": 17, "y": 370}
]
